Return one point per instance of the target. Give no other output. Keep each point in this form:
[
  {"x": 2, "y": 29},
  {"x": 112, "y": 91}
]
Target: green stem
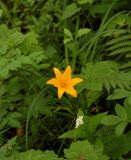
[
  {"x": 61, "y": 146},
  {"x": 76, "y": 43},
  {"x": 101, "y": 28},
  {"x": 65, "y": 46},
  {"x": 66, "y": 51},
  {"x": 29, "y": 116}
]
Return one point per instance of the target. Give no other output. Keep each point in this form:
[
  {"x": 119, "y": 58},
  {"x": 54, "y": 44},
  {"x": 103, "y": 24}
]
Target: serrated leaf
[
  {"x": 121, "y": 112},
  {"x": 111, "y": 120},
  {"x": 99, "y": 72},
  {"x": 116, "y": 146},
  {"x": 119, "y": 94},
  {"x": 37, "y": 155},
  {"x": 120, "y": 128},
  {"x": 70, "y": 10},
  {"x": 81, "y": 150}
]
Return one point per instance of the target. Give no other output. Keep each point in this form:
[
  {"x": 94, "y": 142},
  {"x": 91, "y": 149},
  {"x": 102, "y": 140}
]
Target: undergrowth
[{"x": 91, "y": 37}]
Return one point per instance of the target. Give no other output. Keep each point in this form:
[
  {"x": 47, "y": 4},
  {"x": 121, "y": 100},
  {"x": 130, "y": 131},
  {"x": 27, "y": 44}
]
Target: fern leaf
[
  {"x": 115, "y": 32},
  {"x": 121, "y": 44},
  {"x": 106, "y": 74},
  {"x": 119, "y": 39},
  {"x": 120, "y": 51},
  {"x": 128, "y": 55}
]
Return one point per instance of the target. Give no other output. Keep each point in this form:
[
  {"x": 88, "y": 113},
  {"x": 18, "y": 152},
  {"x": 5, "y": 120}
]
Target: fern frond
[
  {"x": 115, "y": 32},
  {"x": 106, "y": 74},
  {"x": 127, "y": 65},
  {"x": 128, "y": 55},
  {"x": 120, "y": 50},
  {"x": 120, "y": 44},
  {"x": 119, "y": 39}
]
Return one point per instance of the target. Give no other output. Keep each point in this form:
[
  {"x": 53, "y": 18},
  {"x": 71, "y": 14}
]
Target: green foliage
[
  {"x": 19, "y": 50},
  {"x": 85, "y": 130},
  {"x": 94, "y": 38},
  {"x": 70, "y": 10},
  {"x": 121, "y": 120},
  {"x": 9, "y": 148},
  {"x": 84, "y": 1},
  {"x": 84, "y": 150},
  {"x": 107, "y": 74},
  {"x": 119, "y": 94},
  {"x": 113, "y": 143},
  {"x": 33, "y": 155}
]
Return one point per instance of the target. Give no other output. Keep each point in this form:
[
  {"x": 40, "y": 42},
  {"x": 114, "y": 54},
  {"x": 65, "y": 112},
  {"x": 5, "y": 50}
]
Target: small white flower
[{"x": 79, "y": 121}]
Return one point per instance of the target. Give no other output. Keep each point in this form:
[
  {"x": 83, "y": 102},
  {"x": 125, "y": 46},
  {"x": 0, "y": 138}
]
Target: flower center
[{"x": 63, "y": 84}]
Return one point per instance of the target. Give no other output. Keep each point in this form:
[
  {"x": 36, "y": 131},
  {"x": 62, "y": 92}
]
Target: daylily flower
[{"x": 64, "y": 82}]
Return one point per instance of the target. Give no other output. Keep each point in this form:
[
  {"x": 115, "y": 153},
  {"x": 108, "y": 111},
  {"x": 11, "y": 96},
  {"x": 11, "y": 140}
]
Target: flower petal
[
  {"x": 53, "y": 81},
  {"x": 58, "y": 74},
  {"x": 67, "y": 73},
  {"x": 74, "y": 81},
  {"x": 60, "y": 92},
  {"x": 71, "y": 91}
]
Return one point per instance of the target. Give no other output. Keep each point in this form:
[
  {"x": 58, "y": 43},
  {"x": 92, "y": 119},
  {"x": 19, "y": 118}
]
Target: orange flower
[{"x": 64, "y": 83}]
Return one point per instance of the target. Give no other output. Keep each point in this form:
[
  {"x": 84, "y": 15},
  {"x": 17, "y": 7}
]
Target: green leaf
[
  {"x": 84, "y": 1},
  {"x": 116, "y": 146},
  {"x": 120, "y": 128},
  {"x": 120, "y": 20},
  {"x": 81, "y": 150},
  {"x": 2, "y": 89},
  {"x": 121, "y": 112},
  {"x": 87, "y": 129},
  {"x": 70, "y": 10},
  {"x": 37, "y": 155},
  {"x": 6, "y": 149},
  {"x": 16, "y": 38},
  {"x": 3, "y": 47},
  {"x": 68, "y": 33},
  {"x": 3, "y": 123},
  {"x": 111, "y": 120},
  {"x": 13, "y": 119},
  {"x": 82, "y": 31},
  {"x": 50, "y": 52},
  {"x": 99, "y": 147},
  {"x": 119, "y": 94},
  {"x": 105, "y": 74},
  {"x": 75, "y": 133},
  {"x": 93, "y": 122},
  {"x": 67, "y": 40},
  {"x": 127, "y": 106}
]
